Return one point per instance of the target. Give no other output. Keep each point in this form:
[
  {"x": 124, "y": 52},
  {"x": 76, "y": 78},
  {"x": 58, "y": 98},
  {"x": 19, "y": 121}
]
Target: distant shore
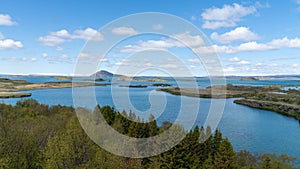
[{"x": 12, "y": 88}]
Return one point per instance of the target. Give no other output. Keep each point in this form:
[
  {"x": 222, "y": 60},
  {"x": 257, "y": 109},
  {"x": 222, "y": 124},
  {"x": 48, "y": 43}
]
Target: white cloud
[
  {"x": 23, "y": 59},
  {"x": 194, "y": 60},
  {"x": 64, "y": 57},
  {"x": 87, "y": 34},
  {"x": 169, "y": 66},
  {"x": 243, "y": 62},
  {"x": 61, "y": 36},
  {"x": 239, "y": 34},
  {"x": 62, "y": 33},
  {"x": 124, "y": 31},
  {"x": 227, "y": 16},
  {"x": 6, "y": 20},
  {"x": 251, "y": 46},
  {"x": 234, "y": 59},
  {"x": 162, "y": 44},
  {"x": 44, "y": 55},
  {"x": 165, "y": 43},
  {"x": 51, "y": 40},
  {"x": 158, "y": 27},
  {"x": 190, "y": 40},
  {"x": 259, "y": 64},
  {"x": 229, "y": 70},
  {"x": 10, "y": 44}
]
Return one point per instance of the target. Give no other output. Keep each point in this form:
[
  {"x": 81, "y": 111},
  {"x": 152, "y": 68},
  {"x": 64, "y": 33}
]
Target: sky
[{"x": 249, "y": 37}]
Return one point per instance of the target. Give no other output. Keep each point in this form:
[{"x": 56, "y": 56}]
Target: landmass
[
  {"x": 161, "y": 84},
  {"x": 134, "y": 86},
  {"x": 220, "y": 91},
  {"x": 271, "y": 98},
  {"x": 249, "y": 79},
  {"x": 14, "y": 94},
  {"x": 11, "y": 88},
  {"x": 63, "y": 78}
]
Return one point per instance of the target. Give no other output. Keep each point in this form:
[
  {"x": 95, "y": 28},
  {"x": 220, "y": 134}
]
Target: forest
[{"x": 34, "y": 135}]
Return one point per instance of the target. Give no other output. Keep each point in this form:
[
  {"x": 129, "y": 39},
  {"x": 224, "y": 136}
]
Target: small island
[
  {"x": 249, "y": 79},
  {"x": 14, "y": 94},
  {"x": 63, "y": 78},
  {"x": 161, "y": 84},
  {"x": 134, "y": 86}
]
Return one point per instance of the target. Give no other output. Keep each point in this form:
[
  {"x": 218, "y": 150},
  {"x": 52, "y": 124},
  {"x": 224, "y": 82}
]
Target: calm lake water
[{"x": 255, "y": 130}]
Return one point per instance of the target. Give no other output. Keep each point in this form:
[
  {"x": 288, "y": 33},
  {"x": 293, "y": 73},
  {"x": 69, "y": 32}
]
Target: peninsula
[
  {"x": 12, "y": 88},
  {"x": 271, "y": 98}
]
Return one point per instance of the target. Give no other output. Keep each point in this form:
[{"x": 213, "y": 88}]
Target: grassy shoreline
[{"x": 271, "y": 98}]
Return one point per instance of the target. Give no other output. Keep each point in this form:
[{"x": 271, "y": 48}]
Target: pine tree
[{"x": 225, "y": 157}]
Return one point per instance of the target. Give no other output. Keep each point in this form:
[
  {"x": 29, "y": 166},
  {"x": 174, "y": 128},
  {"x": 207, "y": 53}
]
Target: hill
[{"x": 104, "y": 74}]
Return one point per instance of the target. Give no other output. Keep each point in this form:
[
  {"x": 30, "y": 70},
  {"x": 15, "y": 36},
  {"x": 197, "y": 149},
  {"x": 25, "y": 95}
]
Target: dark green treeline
[{"x": 34, "y": 135}]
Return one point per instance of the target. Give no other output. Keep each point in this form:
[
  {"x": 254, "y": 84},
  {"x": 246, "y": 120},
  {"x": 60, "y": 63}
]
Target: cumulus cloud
[
  {"x": 6, "y": 20},
  {"x": 87, "y": 34},
  {"x": 251, "y": 46},
  {"x": 227, "y": 16},
  {"x": 243, "y": 62},
  {"x": 61, "y": 36},
  {"x": 10, "y": 44},
  {"x": 190, "y": 40},
  {"x": 124, "y": 31},
  {"x": 239, "y": 34},
  {"x": 51, "y": 40},
  {"x": 164, "y": 44}
]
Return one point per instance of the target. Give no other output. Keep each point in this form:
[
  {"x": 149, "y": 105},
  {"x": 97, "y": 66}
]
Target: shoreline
[
  {"x": 15, "y": 88},
  {"x": 270, "y": 98}
]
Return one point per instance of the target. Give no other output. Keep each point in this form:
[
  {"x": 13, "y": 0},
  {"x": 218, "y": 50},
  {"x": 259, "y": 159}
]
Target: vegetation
[
  {"x": 34, "y": 135},
  {"x": 63, "y": 78},
  {"x": 14, "y": 94},
  {"x": 271, "y": 98},
  {"x": 221, "y": 91},
  {"x": 161, "y": 84},
  {"x": 14, "y": 88},
  {"x": 134, "y": 86}
]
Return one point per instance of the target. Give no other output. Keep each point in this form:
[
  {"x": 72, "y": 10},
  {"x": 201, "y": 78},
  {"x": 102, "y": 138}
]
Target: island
[
  {"x": 63, "y": 78},
  {"x": 134, "y": 86},
  {"x": 161, "y": 84},
  {"x": 14, "y": 94},
  {"x": 249, "y": 79},
  {"x": 271, "y": 98}
]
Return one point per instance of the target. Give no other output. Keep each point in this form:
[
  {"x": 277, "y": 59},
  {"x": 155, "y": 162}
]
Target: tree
[{"x": 225, "y": 157}]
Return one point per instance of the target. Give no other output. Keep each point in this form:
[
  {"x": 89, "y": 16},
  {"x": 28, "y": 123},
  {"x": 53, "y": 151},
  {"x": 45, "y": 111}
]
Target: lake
[{"x": 255, "y": 130}]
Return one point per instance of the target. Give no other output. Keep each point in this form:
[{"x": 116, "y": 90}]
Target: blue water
[{"x": 255, "y": 130}]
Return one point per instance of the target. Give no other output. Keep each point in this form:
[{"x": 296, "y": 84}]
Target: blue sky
[{"x": 250, "y": 37}]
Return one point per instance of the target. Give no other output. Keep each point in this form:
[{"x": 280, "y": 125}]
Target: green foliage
[{"x": 34, "y": 135}]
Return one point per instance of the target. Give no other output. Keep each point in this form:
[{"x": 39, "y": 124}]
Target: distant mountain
[{"x": 104, "y": 74}]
